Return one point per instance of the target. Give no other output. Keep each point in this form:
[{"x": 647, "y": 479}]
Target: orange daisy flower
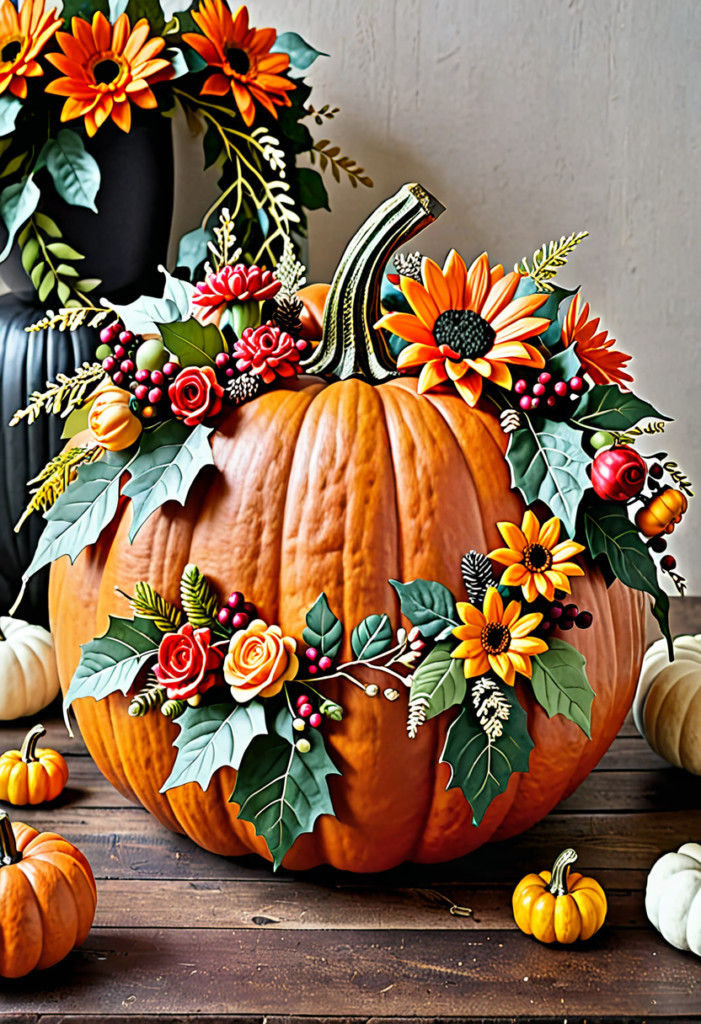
[
  {"x": 535, "y": 561},
  {"x": 497, "y": 639},
  {"x": 23, "y": 36},
  {"x": 247, "y": 68},
  {"x": 596, "y": 353},
  {"x": 106, "y": 68},
  {"x": 467, "y": 325}
]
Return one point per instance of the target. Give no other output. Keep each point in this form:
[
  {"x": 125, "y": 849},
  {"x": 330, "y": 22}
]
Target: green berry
[
  {"x": 601, "y": 439},
  {"x": 303, "y": 746},
  {"x": 151, "y": 355},
  {"x": 102, "y": 352}
]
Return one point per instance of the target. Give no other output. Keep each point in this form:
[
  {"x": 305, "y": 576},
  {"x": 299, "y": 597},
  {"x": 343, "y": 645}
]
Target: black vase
[{"x": 123, "y": 244}]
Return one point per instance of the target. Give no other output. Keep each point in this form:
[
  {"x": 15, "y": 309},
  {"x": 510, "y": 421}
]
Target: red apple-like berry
[
  {"x": 169, "y": 369},
  {"x": 560, "y": 388},
  {"x": 127, "y": 366},
  {"x": 155, "y": 395},
  {"x": 618, "y": 473},
  {"x": 157, "y": 378},
  {"x": 525, "y": 403},
  {"x": 119, "y": 351},
  {"x": 140, "y": 392},
  {"x": 544, "y": 378},
  {"x": 109, "y": 364},
  {"x": 126, "y": 338},
  {"x": 315, "y": 720},
  {"x": 576, "y": 383},
  {"x": 325, "y": 663},
  {"x": 311, "y": 654},
  {"x": 305, "y": 710},
  {"x": 224, "y": 615},
  {"x": 118, "y": 377},
  {"x": 240, "y": 620},
  {"x": 141, "y": 376},
  {"x": 222, "y": 360},
  {"x": 520, "y": 386},
  {"x": 302, "y": 699},
  {"x": 235, "y": 599},
  {"x": 668, "y": 563}
]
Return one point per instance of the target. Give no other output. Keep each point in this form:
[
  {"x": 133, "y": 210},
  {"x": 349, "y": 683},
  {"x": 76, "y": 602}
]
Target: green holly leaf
[
  {"x": 281, "y": 791},
  {"x": 548, "y": 464},
  {"x": 324, "y": 631},
  {"x": 213, "y": 737},
  {"x": 10, "y": 107},
  {"x": 438, "y": 684},
  {"x": 193, "y": 344},
  {"x": 560, "y": 684},
  {"x": 81, "y": 513},
  {"x": 482, "y": 767},
  {"x": 371, "y": 637},
  {"x": 112, "y": 661},
  {"x": 428, "y": 605},
  {"x": 312, "y": 190},
  {"x": 610, "y": 533},
  {"x": 149, "y": 9},
  {"x": 604, "y": 407},
  {"x": 17, "y": 204},
  {"x": 165, "y": 468},
  {"x": 75, "y": 173}
]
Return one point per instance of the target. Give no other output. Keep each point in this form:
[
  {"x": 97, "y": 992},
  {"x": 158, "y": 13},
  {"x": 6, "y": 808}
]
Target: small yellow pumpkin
[
  {"x": 28, "y": 672},
  {"x": 667, "y": 703},
  {"x": 31, "y": 775},
  {"x": 559, "y": 906},
  {"x": 111, "y": 421},
  {"x": 662, "y": 513}
]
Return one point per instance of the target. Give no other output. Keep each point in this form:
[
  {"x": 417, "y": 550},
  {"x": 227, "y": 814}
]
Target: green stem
[
  {"x": 9, "y": 854},
  {"x": 561, "y": 869},
  {"x": 350, "y": 344},
  {"x": 28, "y": 753}
]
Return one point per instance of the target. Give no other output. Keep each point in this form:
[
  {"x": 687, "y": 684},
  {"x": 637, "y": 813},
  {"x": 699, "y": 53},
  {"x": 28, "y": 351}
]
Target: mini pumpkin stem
[
  {"x": 29, "y": 747},
  {"x": 9, "y": 854},
  {"x": 350, "y": 344},
  {"x": 561, "y": 869}
]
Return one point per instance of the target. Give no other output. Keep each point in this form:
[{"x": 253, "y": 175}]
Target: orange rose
[
  {"x": 260, "y": 661},
  {"x": 111, "y": 421}
]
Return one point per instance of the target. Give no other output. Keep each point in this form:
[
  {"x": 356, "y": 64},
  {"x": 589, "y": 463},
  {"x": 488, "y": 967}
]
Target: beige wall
[{"x": 530, "y": 119}]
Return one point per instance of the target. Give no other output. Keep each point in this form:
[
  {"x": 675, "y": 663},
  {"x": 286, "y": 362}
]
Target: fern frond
[
  {"x": 152, "y": 696},
  {"x": 62, "y": 395},
  {"x": 56, "y": 476},
  {"x": 319, "y": 115},
  {"x": 680, "y": 478},
  {"x": 150, "y": 605},
  {"x": 548, "y": 259},
  {"x": 197, "y": 598},
  {"x": 477, "y": 576},
  {"x": 289, "y": 271},
  {"x": 417, "y": 716},
  {"x": 491, "y": 706},
  {"x": 73, "y": 317},
  {"x": 328, "y": 155}
]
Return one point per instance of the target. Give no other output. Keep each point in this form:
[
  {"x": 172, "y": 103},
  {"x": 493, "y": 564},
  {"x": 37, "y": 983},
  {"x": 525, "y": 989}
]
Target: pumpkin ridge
[{"x": 676, "y": 694}]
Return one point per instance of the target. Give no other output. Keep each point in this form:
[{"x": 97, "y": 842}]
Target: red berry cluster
[
  {"x": 149, "y": 387},
  {"x": 546, "y": 394},
  {"x": 225, "y": 365},
  {"x": 315, "y": 664},
  {"x": 564, "y": 616},
  {"x": 237, "y": 613},
  {"x": 306, "y": 714}
]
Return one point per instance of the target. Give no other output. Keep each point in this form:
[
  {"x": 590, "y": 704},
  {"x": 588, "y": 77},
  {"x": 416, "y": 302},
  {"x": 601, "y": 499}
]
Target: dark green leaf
[
  {"x": 302, "y": 55},
  {"x": 75, "y": 173},
  {"x": 193, "y": 344},
  {"x": 438, "y": 683},
  {"x": 324, "y": 631},
  {"x": 111, "y": 662},
  {"x": 564, "y": 364},
  {"x": 83, "y": 9},
  {"x": 169, "y": 459},
  {"x": 548, "y": 464},
  {"x": 192, "y": 250},
  {"x": 428, "y": 605},
  {"x": 10, "y": 107},
  {"x": 481, "y": 768},
  {"x": 149, "y": 9},
  {"x": 560, "y": 684},
  {"x": 371, "y": 637},
  {"x": 312, "y": 191},
  {"x": 604, "y": 407},
  {"x": 17, "y": 204},
  {"x": 213, "y": 737},
  {"x": 81, "y": 513},
  {"x": 281, "y": 791}
]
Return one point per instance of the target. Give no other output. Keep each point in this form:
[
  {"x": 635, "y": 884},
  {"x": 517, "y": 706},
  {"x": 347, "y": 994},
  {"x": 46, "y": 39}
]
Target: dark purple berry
[
  {"x": 224, "y": 615},
  {"x": 658, "y": 544},
  {"x": 566, "y": 623},
  {"x": 229, "y": 372},
  {"x": 235, "y": 600},
  {"x": 571, "y": 611},
  {"x": 656, "y": 471},
  {"x": 250, "y": 609},
  {"x": 547, "y": 626},
  {"x": 584, "y": 620},
  {"x": 240, "y": 620},
  {"x": 668, "y": 563},
  {"x": 556, "y": 610}
]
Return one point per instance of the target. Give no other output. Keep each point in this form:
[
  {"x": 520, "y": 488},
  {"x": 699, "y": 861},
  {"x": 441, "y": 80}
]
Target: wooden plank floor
[{"x": 182, "y": 933}]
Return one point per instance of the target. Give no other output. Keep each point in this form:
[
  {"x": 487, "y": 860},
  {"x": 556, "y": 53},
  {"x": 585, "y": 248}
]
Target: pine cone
[
  {"x": 287, "y": 314},
  {"x": 477, "y": 576},
  {"x": 243, "y": 387}
]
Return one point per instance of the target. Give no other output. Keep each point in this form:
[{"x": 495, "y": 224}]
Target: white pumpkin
[
  {"x": 673, "y": 897},
  {"x": 667, "y": 703},
  {"x": 28, "y": 672}
]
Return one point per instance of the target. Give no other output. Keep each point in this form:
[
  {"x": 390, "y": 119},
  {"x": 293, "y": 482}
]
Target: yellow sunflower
[
  {"x": 535, "y": 561},
  {"x": 106, "y": 68},
  {"x": 246, "y": 66},
  {"x": 497, "y": 639},
  {"x": 466, "y": 326},
  {"x": 23, "y": 36}
]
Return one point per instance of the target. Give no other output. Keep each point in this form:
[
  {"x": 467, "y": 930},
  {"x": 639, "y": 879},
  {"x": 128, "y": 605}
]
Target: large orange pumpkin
[{"x": 340, "y": 487}]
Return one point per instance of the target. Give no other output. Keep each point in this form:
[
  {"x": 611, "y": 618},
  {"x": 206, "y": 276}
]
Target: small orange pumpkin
[
  {"x": 662, "y": 513},
  {"x": 559, "y": 906},
  {"x": 47, "y": 898},
  {"x": 31, "y": 776},
  {"x": 111, "y": 421}
]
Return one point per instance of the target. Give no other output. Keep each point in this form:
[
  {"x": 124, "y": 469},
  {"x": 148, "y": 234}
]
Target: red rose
[
  {"x": 195, "y": 394},
  {"x": 186, "y": 663},
  {"x": 618, "y": 473}
]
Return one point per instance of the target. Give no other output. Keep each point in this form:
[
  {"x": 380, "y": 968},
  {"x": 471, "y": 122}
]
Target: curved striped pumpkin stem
[{"x": 350, "y": 345}]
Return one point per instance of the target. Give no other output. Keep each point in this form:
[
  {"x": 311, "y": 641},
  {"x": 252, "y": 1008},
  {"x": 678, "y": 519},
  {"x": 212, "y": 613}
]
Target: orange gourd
[
  {"x": 313, "y": 297},
  {"x": 112, "y": 423},
  {"x": 340, "y": 487},
  {"x": 559, "y": 905},
  {"x": 47, "y": 898},
  {"x": 662, "y": 513},
  {"x": 31, "y": 775}
]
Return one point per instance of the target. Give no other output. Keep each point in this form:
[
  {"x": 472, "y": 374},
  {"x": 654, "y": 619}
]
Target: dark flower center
[
  {"x": 465, "y": 332},
  {"x": 238, "y": 60},
  {"x": 537, "y": 558},
  {"x": 10, "y": 52},
  {"x": 495, "y": 638},
  {"x": 105, "y": 71}
]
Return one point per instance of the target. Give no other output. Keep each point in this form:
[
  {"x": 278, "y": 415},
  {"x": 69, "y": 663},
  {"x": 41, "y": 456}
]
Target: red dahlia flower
[
  {"x": 233, "y": 284},
  {"x": 268, "y": 352}
]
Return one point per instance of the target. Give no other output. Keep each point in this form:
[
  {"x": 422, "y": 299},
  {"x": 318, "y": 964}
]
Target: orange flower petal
[
  {"x": 529, "y": 645},
  {"x": 493, "y": 605},
  {"x": 436, "y": 285},
  {"x": 560, "y": 580},
  {"x": 511, "y": 614},
  {"x": 500, "y": 294},
  {"x": 471, "y": 615},
  {"x": 566, "y": 549},
  {"x": 416, "y": 355},
  {"x": 514, "y": 575},
  {"x": 432, "y": 374},
  {"x": 477, "y": 283},
  {"x": 455, "y": 274},
  {"x": 501, "y": 664},
  {"x": 470, "y": 388},
  {"x": 526, "y": 624},
  {"x": 408, "y": 327},
  {"x": 549, "y": 532},
  {"x": 216, "y": 85},
  {"x": 513, "y": 536},
  {"x": 518, "y": 309},
  {"x": 544, "y": 585},
  {"x": 420, "y": 301},
  {"x": 476, "y": 666},
  {"x": 528, "y": 327},
  {"x": 521, "y": 662},
  {"x": 456, "y": 370},
  {"x": 529, "y": 589},
  {"x": 505, "y": 556}
]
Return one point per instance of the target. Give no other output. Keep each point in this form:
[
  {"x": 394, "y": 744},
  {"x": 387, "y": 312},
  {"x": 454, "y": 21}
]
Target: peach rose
[
  {"x": 112, "y": 423},
  {"x": 260, "y": 661}
]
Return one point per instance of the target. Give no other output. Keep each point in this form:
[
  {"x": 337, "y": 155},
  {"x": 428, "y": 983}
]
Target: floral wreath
[{"x": 242, "y": 692}]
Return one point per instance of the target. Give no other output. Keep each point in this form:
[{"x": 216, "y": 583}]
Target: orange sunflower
[
  {"x": 106, "y": 68},
  {"x": 247, "y": 68},
  {"x": 497, "y": 639},
  {"x": 23, "y": 36},
  {"x": 599, "y": 359},
  {"x": 535, "y": 561},
  {"x": 467, "y": 325}
]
